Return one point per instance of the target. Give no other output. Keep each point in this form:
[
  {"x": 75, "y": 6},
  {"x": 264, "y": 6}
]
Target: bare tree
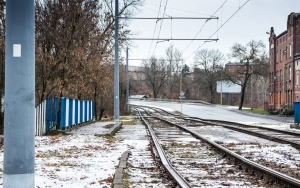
[
  {"x": 156, "y": 74},
  {"x": 174, "y": 60},
  {"x": 252, "y": 56},
  {"x": 209, "y": 62}
]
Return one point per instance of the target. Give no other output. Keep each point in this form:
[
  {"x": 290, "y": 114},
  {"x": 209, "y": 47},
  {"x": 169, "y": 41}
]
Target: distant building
[
  {"x": 255, "y": 95},
  {"x": 137, "y": 73},
  {"x": 284, "y": 65},
  {"x": 137, "y": 83}
]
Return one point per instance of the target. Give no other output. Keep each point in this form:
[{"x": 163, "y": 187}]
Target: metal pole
[
  {"x": 251, "y": 88},
  {"x": 116, "y": 67},
  {"x": 19, "y": 117},
  {"x": 221, "y": 87},
  {"x": 181, "y": 92},
  {"x": 127, "y": 81}
]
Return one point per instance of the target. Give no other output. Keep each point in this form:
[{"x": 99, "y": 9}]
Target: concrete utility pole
[
  {"x": 116, "y": 68},
  {"x": 127, "y": 81},
  {"x": 19, "y": 116},
  {"x": 251, "y": 85},
  {"x": 221, "y": 99}
]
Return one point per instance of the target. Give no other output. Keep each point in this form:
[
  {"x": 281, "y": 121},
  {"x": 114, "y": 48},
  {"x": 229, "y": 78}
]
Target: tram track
[
  {"x": 281, "y": 136},
  {"x": 248, "y": 165}
]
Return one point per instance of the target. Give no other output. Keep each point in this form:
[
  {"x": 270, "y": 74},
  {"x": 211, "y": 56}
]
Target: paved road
[{"x": 217, "y": 112}]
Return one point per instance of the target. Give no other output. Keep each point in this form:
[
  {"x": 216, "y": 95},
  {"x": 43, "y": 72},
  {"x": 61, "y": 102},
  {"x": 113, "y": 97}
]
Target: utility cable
[
  {"x": 203, "y": 26},
  {"x": 179, "y": 9},
  {"x": 218, "y": 29},
  {"x": 160, "y": 26},
  {"x": 154, "y": 29}
]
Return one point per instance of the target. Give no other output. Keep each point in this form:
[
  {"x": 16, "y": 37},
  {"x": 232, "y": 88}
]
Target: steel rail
[
  {"x": 282, "y": 178},
  {"x": 245, "y": 129},
  {"x": 167, "y": 165},
  {"x": 251, "y": 126}
]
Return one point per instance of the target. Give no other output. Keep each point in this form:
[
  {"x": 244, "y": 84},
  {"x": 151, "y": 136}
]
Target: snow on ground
[
  {"x": 82, "y": 159},
  {"x": 154, "y": 106},
  {"x": 254, "y": 148},
  {"x": 86, "y": 159}
]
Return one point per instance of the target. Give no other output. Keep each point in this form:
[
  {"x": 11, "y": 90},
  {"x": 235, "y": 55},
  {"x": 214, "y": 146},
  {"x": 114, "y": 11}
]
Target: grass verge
[{"x": 257, "y": 111}]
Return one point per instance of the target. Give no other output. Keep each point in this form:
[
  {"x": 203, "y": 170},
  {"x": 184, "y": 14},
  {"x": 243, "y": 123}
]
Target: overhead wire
[
  {"x": 240, "y": 7},
  {"x": 180, "y": 10},
  {"x": 203, "y": 26},
  {"x": 154, "y": 29},
  {"x": 160, "y": 26}
]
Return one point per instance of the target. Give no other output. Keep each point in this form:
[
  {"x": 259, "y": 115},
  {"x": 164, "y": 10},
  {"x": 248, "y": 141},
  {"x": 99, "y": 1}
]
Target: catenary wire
[
  {"x": 218, "y": 29},
  {"x": 203, "y": 26},
  {"x": 180, "y": 10},
  {"x": 154, "y": 29},
  {"x": 160, "y": 26}
]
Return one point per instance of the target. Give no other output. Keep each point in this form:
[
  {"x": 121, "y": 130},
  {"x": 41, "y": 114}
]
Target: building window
[
  {"x": 290, "y": 73},
  {"x": 280, "y": 55},
  {"x": 290, "y": 50},
  {"x": 297, "y": 79},
  {"x": 285, "y": 52}
]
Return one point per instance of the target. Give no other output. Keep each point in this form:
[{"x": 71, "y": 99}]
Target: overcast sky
[{"x": 251, "y": 22}]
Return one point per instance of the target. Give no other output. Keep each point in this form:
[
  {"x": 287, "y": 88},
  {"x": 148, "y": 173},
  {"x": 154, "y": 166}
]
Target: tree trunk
[
  {"x": 211, "y": 95},
  {"x": 243, "y": 92},
  {"x": 101, "y": 113},
  {"x": 242, "y": 97},
  {"x": 95, "y": 101},
  {"x": 59, "y": 111},
  {"x": 1, "y": 117}
]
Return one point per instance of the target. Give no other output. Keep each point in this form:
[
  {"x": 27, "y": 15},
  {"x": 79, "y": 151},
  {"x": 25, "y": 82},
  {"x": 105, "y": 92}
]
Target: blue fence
[{"x": 73, "y": 112}]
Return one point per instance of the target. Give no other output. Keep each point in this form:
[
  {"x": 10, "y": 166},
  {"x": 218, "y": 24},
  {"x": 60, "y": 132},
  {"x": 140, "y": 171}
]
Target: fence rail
[{"x": 69, "y": 113}]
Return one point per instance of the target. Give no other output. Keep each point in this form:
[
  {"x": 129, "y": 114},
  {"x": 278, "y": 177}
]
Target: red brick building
[{"x": 284, "y": 69}]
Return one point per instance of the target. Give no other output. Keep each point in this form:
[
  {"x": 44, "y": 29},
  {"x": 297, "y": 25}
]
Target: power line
[
  {"x": 170, "y": 18},
  {"x": 203, "y": 26},
  {"x": 154, "y": 29},
  {"x": 160, "y": 26},
  {"x": 179, "y": 9},
  {"x": 168, "y": 39},
  {"x": 219, "y": 28},
  {"x": 150, "y": 59}
]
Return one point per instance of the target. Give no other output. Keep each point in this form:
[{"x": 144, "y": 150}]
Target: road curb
[
  {"x": 112, "y": 131},
  {"x": 118, "y": 177}
]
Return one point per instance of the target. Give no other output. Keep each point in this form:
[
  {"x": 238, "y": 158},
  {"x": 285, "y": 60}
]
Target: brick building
[{"x": 284, "y": 65}]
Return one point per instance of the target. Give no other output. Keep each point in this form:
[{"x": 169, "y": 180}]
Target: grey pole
[
  {"x": 221, "y": 87},
  {"x": 127, "y": 81},
  {"x": 251, "y": 97},
  {"x": 116, "y": 68},
  {"x": 221, "y": 92},
  {"x": 19, "y": 117}
]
